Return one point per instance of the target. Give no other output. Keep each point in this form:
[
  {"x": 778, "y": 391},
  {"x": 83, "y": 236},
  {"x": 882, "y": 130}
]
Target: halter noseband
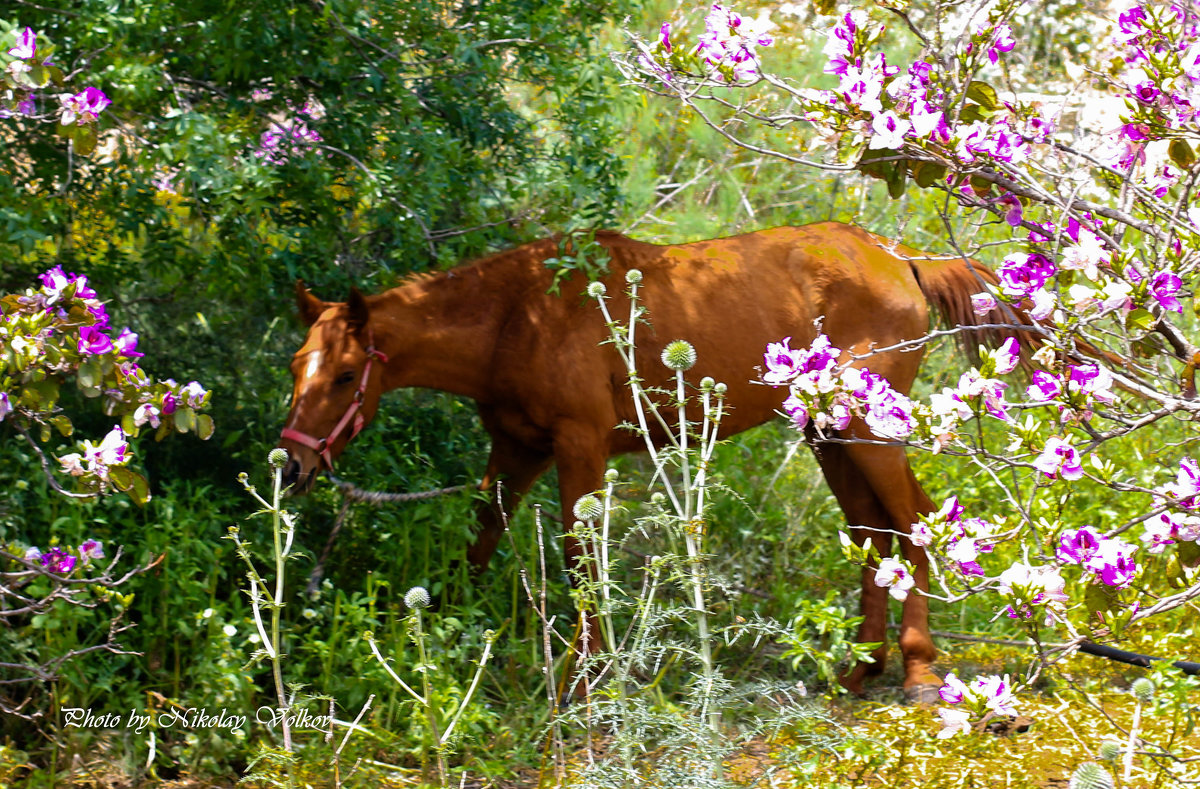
[{"x": 321, "y": 445}]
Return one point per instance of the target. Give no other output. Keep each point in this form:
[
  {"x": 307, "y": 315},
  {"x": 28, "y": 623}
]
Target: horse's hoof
[{"x": 924, "y": 693}]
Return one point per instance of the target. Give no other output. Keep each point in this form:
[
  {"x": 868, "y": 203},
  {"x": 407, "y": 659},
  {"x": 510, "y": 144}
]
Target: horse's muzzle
[{"x": 296, "y": 479}]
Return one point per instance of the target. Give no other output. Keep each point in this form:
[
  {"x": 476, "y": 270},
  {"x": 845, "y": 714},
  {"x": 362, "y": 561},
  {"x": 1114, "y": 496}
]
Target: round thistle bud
[
  {"x": 633, "y": 276},
  {"x": 277, "y": 457},
  {"x": 588, "y": 508},
  {"x": 611, "y": 475},
  {"x": 1090, "y": 775},
  {"x": 720, "y": 390},
  {"x": 596, "y": 290},
  {"x": 417, "y": 598},
  {"x": 1109, "y": 750},
  {"x": 658, "y": 498},
  {"x": 1143, "y": 690},
  {"x": 707, "y": 384},
  {"x": 679, "y": 355}
]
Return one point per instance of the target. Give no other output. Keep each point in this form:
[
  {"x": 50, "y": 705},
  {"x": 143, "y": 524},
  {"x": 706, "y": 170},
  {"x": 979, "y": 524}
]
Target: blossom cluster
[
  {"x": 977, "y": 699},
  {"x": 63, "y": 561},
  {"x": 727, "y": 50},
  {"x": 960, "y": 540},
  {"x": 829, "y": 393},
  {"x": 60, "y": 330},
  {"x": 291, "y": 136},
  {"x": 31, "y": 70}
]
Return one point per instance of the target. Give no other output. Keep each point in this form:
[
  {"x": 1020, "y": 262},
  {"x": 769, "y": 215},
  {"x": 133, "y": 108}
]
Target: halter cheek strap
[{"x": 352, "y": 416}]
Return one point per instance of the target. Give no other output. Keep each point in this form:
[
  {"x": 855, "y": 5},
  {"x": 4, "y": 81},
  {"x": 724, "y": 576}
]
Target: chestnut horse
[{"x": 549, "y": 392}]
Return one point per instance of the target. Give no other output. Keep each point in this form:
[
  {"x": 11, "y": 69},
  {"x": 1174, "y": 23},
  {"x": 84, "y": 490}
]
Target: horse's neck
[{"x": 441, "y": 333}]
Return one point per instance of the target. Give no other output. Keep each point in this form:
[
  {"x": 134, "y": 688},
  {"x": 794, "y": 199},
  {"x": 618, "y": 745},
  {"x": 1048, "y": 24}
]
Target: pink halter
[{"x": 321, "y": 445}]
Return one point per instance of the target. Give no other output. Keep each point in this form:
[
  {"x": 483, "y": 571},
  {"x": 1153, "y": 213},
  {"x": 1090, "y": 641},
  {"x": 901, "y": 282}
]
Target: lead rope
[{"x": 352, "y": 493}]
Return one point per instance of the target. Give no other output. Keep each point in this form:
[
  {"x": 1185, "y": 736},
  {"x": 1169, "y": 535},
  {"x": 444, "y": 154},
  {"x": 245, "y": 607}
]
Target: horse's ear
[
  {"x": 357, "y": 308},
  {"x": 310, "y": 306}
]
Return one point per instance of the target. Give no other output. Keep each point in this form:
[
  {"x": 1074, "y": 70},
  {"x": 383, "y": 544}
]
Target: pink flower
[
  {"x": 193, "y": 394},
  {"x": 1007, "y": 356},
  {"x": 782, "y": 362},
  {"x": 93, "y": 341},
  {"x": 1186, "y": 487},
  {"x": 892, "y": 574},
  {"x": 953, "y": 691},
  {"x": 84, "y": 106},
  {"x": 1045, "y": 386},
  {"x": 1079, "y": 545},
  {"x": 982, "y": 303},
  {"x": 889, "y": 131},
  {"x": 664, "y": 36},
  {"x": 146, "y": 413},
  {"x": 26, "y": 46},
  {"x": 1012, "y": 209},
  {"x": 56, "y": 560},
  {"x": 91, "y": 549},
  {"x": 1163, "y": 287},
  {"x": 1003, "y": 42},
  {"x": 1059, "y": 458},
  {"x": 126, "y": 344}
]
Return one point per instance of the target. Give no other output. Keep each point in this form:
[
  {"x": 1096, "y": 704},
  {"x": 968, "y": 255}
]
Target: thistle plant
[
  {"x": 641, "y": 627},
  {"x": 417, "y": 600},
  {"x": 264, "y": 598}
]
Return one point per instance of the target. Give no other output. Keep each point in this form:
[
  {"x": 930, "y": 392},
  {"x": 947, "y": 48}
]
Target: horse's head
[{"x": 337, "y": 379}]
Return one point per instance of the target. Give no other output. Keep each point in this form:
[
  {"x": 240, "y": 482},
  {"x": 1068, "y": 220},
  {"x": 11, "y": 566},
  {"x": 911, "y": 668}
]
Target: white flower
[
  {"x": 895, "y": 576},
  {"x": 953, "y": 721}
]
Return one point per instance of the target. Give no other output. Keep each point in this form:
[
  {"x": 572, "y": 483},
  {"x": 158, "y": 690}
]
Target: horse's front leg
[
  {"x": 581, "y": 455},
  {"x": 516, "y": 467}
]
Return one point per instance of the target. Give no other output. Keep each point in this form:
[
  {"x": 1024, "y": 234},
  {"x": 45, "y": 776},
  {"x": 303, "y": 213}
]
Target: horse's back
[{"x": 728, "y": 297}]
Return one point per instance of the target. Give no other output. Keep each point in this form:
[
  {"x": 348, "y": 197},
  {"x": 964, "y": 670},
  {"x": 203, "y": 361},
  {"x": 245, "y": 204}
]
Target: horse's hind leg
[
  {"x": 887, "y": 474},
  {"x": 868, "y": 521}
]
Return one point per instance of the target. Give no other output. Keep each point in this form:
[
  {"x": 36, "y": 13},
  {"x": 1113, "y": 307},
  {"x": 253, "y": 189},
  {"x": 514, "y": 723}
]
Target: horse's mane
[{"x": 506, "y": 257}]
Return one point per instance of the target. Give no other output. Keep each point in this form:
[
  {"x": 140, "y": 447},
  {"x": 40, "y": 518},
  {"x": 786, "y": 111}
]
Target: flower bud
[
  {"x": 277, "y": 457},
  {"x": 588, "y": 508},
  {"x": 720, "y": 389},
  {"x": 417, "y": 598},
  {"x": 633, "y": 276},
  {"x": 679, "y": 355},
  {"x": 611, "y": 475},
  {"x": 1143, "y": 690},
  {"x": 1109, "y": 750},
  {"x": 658, "y": 498},
  {"x": 707, "y": 384},
  {"x": 596, "y": 289},
  {"x": 1090, "y": 775}
]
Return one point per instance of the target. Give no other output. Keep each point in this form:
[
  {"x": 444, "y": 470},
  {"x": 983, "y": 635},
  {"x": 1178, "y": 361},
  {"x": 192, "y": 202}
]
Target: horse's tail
[{"x": 948, "y": 285}]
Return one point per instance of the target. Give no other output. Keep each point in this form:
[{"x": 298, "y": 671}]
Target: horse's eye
[{"x": 345, "y": 378}]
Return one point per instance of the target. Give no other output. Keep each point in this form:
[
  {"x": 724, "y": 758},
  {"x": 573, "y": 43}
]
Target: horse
[{"x": 549, "y": 392}]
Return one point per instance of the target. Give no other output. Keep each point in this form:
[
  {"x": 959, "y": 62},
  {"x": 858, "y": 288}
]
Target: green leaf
[
  {"x": 63, "y": 425},
  {"x": 972, "y": 113},
  {"x": 1181, "y": 154},
  {"x": 129, "y": 481},
  {"x": 39, "y": 76},
  {"x": 984, "y": 95},
  {"x": 927, "y": 174},
  {"x": 897, "y": 179},
  {"x": 84, "y": 139},
  {"x": 1098, "y": 598},
  {"x": 185, "y": 420},
  {"x": 1140, "y": 321}
]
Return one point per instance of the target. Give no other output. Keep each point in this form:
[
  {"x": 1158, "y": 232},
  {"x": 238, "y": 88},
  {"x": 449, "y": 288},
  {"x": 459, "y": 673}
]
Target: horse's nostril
[{"x": 291, "y": 472}]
